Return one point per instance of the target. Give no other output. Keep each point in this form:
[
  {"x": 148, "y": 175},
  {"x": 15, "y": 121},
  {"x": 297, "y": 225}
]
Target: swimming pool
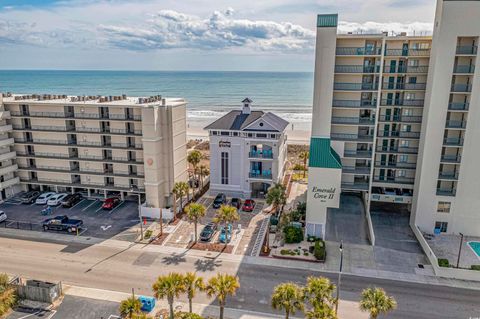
[{"x": 475, "y": 245}]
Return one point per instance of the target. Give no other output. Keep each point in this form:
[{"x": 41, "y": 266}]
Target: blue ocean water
[{"x": 209, "y": 94}]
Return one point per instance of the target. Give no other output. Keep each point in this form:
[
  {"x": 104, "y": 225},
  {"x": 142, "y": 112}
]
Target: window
[
  {"x": 261, "y": 135},
  {"x": 444, "y": 207},
  {"x": 224, "y": 168},
  {"x": 413, "y": 62},
  {"x": 412, "y": 79},
  {"x": 214, "y": 133},
  {"x": 235, "y": 133},
  {"x": 404, "y": 143},
  {"x": 410, "y": 96},
  {"x": 224, "y": 133},
  {"x": 407, "y": 112},
  {"x": 441, "y": 226},
  {"x": 401, "y": 173},
  {"x": 403, "y": 158},
  {"x": 250, "y": 135},
  {"x": 273, "y": 136}
]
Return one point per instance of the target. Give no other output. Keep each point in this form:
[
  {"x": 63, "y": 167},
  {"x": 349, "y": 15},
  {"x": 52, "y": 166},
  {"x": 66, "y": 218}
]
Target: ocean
[{"x": 209, "y": 94}]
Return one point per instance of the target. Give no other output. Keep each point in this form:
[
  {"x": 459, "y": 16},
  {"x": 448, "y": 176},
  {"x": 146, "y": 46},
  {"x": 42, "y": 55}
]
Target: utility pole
[
  {"x": 460, "y": 250},
  {"x": 140, "y": 214},
  {"x": 339, "y": 277}
]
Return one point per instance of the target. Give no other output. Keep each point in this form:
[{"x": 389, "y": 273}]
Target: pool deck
[{"x": 447, "y": 246}]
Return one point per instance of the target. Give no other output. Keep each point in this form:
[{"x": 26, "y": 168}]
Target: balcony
[
  {"x": 402, "y": 165},
  {"x": 5, "y": 115},
  {"x": 357, "y": 154},
  {"x": 461, "y": 88},
  {"x": 8, "y": 169},
  {"x": 10, "y": 182},
  {"x": 255, "y": 174},
  {"x": 359, "y": 186},
  {"x": 400, "y": 118},
  {"x": 394, "y": 179},
  {"x": 404, "y": 86},
  {"x": 451, "y": 158},
  {"x": 456, "y": 124},
  {"x": 339, "y": 86},
  {"x": 446, "y": 191},
  {"x": 402, "y": 134},
  {"x": 351, "y": 137},
  {"x": 355, "y": 104},
  {"x": 7, "y": 156},
  {"x": 451, "y": 176},
  {"x": 458, "y": 106},
  {"x": 6, "y": 142},
  {"x": 267, "y": 154},
  {"x": 467, "y": 50},
  {"x": 356, "y": 170},
  {"x": 402, "y": 150},
  {"x": 464, "y": 69},
  {"x": 359, "y": 51},
  {"x": 407, "y": 52},
  {"x": 405, "y": 69},
  {"x": 357, "y": 69},
  {"x": 402, "y": 102},
  {"x": 5, "y": 128},
  {"x": 352, "y": 120},
  {"x": 453, "y": 141}
]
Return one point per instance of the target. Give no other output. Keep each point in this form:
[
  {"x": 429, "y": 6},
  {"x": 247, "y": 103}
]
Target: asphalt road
[{"x": 114, "y": 266}]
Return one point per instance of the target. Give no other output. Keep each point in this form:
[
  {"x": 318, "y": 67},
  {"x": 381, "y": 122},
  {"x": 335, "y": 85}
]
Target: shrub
[
  {"x": 284, "y": 252},
  {"x": 293, "y": 234},
  {"x": 298, "y": 167},
  {"x": 319, "y": 250},
  {"x": 295, "y": 216},
  {"x": 443, "y": 262},
  {"x": 302, "y": 208},
  {"x": 475, "y": 267},
  {"x": 305, "y": 253},
  {"x": 148, "y": 234},
  {"x": 187, "y": 315}
]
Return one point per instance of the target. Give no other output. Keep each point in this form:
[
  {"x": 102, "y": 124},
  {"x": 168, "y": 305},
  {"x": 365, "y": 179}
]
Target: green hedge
[
  {"x": 475, "y": 267},
  {"x": 319, "y": 250},
  {"x": 293, "y": 234},
  {"x": 443, "y": 262}
]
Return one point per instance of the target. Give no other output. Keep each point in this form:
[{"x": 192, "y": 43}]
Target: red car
[
  {"x": 248, "y": 205},
  {"x": 111, "y": 203}
]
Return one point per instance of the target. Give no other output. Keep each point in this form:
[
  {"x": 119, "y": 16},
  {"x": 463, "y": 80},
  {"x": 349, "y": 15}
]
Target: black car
[
  {"x": 208, "y": 231},
  {"x": 220, "y": 200},
  {"x": 29, "y": 197},
  {"x": 236, "y": 202},
  {"x": 71, "y": 200}
]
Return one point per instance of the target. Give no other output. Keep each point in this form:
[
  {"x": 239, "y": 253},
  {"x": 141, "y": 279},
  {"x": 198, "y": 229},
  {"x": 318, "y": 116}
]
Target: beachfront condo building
[
  {"x": 390, "y": 117},
  {"x": 248, "y": 152},
  {"x": 98, "y": 145}
]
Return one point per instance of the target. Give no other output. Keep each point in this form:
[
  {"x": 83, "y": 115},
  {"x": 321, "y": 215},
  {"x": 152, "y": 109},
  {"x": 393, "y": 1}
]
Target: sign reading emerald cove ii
[{"x": 323, "y": 194}]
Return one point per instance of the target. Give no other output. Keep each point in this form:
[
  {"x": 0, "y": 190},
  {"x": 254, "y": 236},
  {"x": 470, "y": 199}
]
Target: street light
[
  {"x": 339, "y": 277},
  {"x": 139, "y": 211},
  {"x": 460, "y": 249}
]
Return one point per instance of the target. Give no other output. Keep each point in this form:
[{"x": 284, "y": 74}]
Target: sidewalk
[{"x": 347, "y": 309}]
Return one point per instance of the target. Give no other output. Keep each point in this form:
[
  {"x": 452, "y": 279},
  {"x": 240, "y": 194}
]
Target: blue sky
[{"x": 275, "y": 35}]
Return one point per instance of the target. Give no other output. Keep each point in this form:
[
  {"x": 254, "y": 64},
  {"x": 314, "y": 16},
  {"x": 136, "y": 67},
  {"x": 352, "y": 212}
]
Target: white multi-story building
[
  {"x": 247, "y": 152},
  {"x": 393, "y": 110},
  {"x": 94, "y": 144}
]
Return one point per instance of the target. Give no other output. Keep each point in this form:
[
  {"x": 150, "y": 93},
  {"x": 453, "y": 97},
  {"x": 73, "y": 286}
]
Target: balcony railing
[
  {"x": 400, "y": 118},
  {"x": 396, "y": 164},
  {"x": 394, "y": 179},
  {"x": 453, "y": 141},
  {"x": 404, "y": 150},
  {"x": 448, "y": 175},
  {"x": 352, "y": 120},
  {"x": 355, "y": 185},
  {"x": 357, "y": 154},
  {"x": 404, "y": 86},
  {"x": 451, "y": 158},
  {"x": 354, "y": 104},
  {"x": 461, "y": 88},
  {"x": 464, "y": 69},
  {"x": 456, "y": 124},
  {"x": 350, "y": 137},
  {"x": 358, "y": 51},
  {"x": 398, "y": 134},
  {"x": 405, "y": 69},
  {"x": 402, "y": 102},
  {"x": 356, "y": 170},
  {"x": 355, "y": 86},
  {"x": 407, "y": 52},
  {"x": 446, "y": 191},
  {"x": 261, "y": 154},
  {"x": 458, "y": 106},
  {"x": 357, "y": 69},
  {"x": 260, "y": 175},
  {"x": 467, "y": 50}
]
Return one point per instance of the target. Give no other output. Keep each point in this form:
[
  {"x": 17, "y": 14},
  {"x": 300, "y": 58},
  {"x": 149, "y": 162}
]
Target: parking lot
[{"x": 97, "y": 222}]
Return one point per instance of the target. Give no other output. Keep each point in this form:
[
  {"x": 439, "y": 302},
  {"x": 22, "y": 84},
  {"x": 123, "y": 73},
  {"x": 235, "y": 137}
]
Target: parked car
[
  {"x": 29, "y": 197},
  {"x": 219, "y": 200},
  {"x": 3, "y": 216},
  {"x": 111, "y": 203},
  {"x": 56, "y": 199},
  {"x": 248, "y": 205},
  {"x": 236, "y": 202},
  {"x": 71, "y": 200},
  {"x": 225, "y": 234},
  {"x": 43, "y": 198},
  {"x": 62, "y": 223},
  {"x": 208, "y": 231}
]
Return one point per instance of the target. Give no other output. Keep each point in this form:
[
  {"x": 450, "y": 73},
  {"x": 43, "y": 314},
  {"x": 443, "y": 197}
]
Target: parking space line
[
  {"x": 111, "y": 212},
  {"x": 94, "y": 202},
  {"x": 77, "y": 204},
  {"x": 99, "y": 209}
]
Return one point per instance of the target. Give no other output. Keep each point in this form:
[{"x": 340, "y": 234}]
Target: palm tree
[
  {"x": 376, "y": 301},
  {"x": 170, "y": 287},
  {"x": 180, "y": 189},
  {"x": 203, "y": 170},
  {"x": 319, "y": 293},
  {"x": 8, "y": 296},
  {"x": 192, "y": 285},
  {"x": 288, "y": 297},
  {"x": 221, "y": 286},
  {"x": 130, "y": 307},
  {"x": 195, "y": 212},
  {"x": 276, "y": 196},
  {"x": 226, "y": 215},
  {"x": 304, "y": 157},
  {"x": 194, "y": 158}
]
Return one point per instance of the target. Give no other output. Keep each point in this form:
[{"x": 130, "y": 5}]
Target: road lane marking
[
  {"x": 99, "y": 209},
  {"x": 77, "y": 204},
  {"x": 94, "y": 202},
  {"x": 116, "y": 207}
]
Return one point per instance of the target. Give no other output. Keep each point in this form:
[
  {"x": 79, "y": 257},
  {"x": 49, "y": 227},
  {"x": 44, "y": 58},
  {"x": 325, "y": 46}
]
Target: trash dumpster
[{"x": 148, "y": 303}]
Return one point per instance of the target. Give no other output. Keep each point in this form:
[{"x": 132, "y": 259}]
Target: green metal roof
[
  {"x": 327, "y": 20},
  {"x": 322, "y": 154}
]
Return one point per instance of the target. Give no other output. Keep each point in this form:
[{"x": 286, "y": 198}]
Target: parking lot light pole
[
  {"x": 460, "y": 250},
  {"x": 339, "y": 277}
]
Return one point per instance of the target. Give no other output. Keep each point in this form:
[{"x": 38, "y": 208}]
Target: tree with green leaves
[
  {"x": 8, "y": 295},
  {"x": 304, "y": 156},
  {"x": 195, "y": 212},
  {"x": 319, "y": 294},
  {"x": 376, "y": 301},
  {"x": 221, "y": 286},
  {"x": 276, "y": 196},
  {"x": 193, "y": 158},
  {"x": 203, "y": 171},
  {"x": 193, "y": 283},
  {"x": 288, "y": 297},
  {"x": 130, "y": 307},
  {"x": 180, "y": 189},
  {"x": 170, "y": 287},
  {"x": 226, "y": 215}
]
